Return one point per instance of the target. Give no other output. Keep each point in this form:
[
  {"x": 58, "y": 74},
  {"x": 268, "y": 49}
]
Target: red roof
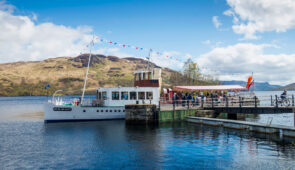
[{"x": 210, "y": 88}]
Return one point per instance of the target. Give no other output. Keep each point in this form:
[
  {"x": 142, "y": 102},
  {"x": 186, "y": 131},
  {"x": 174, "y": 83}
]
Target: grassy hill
[{"x": 67, "y": 73}]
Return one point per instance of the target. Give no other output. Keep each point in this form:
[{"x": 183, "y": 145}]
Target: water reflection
[{"x": 113, "y": 144}]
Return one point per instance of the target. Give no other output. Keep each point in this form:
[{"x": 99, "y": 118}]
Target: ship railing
[{"x": 75, "y": 101}]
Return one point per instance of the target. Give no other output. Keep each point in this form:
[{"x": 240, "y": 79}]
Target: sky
[{"x": 228, "y": 39}]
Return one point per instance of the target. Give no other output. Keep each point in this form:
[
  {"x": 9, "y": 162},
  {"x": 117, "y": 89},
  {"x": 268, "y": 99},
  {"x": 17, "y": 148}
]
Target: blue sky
[
  {"x": 227, "y": 38},
  {"x": 163, "y": 25}
]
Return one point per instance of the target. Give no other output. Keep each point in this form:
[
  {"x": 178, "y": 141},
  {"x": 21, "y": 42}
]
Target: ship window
[
  {"x": 106, "y": 110},
  {"x": 149, "y": 95},
  {"x": 124, "y": 95},
  {"x": 101, "y": 110},
  {"x": 141, "y": 95},
  {"x": 115, "y": 110},
  {"x": 137, "y": 76},
  {"x": 123, "y": 110},
  {"x": 115, "y": 95},
  {"x": 119, "y": 110},
  {"x": 144, "y": 76},
  {"x": 111, "y": 110},
  {"x": 149, "y": 75},
  {"x": 104, "y": 95},
  {"x": 133, "y": 95},
  {"x": 97, "y": 110}
]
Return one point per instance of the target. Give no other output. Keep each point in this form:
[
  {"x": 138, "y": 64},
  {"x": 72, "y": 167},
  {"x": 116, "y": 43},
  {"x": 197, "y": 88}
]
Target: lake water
[{"x": 26, "y": 142}]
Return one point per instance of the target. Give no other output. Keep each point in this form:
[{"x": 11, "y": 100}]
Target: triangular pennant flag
[
  {"x": 123, "y": 45},
  {"x": 111, "y": 42}
]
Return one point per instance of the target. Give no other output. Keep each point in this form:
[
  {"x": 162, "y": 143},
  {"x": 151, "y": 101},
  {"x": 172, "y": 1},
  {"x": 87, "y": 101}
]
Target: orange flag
[{"x": 249, "y": 81}]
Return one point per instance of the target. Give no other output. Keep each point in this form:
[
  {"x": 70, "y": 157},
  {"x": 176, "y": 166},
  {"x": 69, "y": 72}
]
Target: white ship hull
[{"x": 55, "y": 113}]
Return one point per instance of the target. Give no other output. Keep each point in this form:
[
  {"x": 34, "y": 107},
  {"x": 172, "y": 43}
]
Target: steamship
[{"x": 109, "y": 103}]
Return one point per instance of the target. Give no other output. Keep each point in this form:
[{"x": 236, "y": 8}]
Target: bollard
[
  {"x": 255, "y": 101},
  {"x": 276, "y": 100},
  {"x": 271, "y": 102}
]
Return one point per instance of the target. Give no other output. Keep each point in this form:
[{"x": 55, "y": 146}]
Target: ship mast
[
  {"x": 148, "y": 58},
  {"x": 85, "y": 80}
]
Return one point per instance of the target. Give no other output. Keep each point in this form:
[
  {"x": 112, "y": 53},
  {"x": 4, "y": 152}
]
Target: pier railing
[{"x": 227, "y": 101}]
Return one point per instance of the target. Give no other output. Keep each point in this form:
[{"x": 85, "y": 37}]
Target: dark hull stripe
[{"x": 79, "y": 120}]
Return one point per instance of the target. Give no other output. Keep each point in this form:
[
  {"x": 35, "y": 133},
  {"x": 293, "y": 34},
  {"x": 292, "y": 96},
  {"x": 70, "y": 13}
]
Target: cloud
[
  {"x": 207, "y": 42},
  {"x": 252, "y": 16},
  {"x": 236, "y": 62},
  {"x": 22, "y": 40},
  {"x": 216, "y": 22},
  {"x": 6, "y": 7}
]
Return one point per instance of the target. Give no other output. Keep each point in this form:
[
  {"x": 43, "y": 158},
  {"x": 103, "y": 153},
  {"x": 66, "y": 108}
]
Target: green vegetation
[{"x": 190, "y": 76}]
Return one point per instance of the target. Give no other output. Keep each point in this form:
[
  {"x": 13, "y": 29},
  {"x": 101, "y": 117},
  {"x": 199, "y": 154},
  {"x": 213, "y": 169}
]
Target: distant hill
[
  {"x": 259, "y": 86},
  {"x": 287, "y": 87}
]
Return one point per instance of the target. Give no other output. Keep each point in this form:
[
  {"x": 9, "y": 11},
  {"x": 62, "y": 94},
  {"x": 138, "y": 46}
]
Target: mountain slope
[
  {"x": 67, "y": 73},
  {"x": 287, "y": 87}
]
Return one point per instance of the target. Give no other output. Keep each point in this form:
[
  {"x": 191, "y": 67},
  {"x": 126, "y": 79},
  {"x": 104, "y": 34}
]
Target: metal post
[
  {"x": 173, "y": 107},
  {"x": 271, "y": 102},
  {"x": 202, "y": 102},
  {"x": 188, "y": 102},
  {"x": 255, "y": 101},
  {"x": 292, "y": 99},
  {"x": 276, "y": 100},
  {"x": 212, "y": 101},
  {"x": 226, "y": 101},
  {"x": 240, "y": 101}
]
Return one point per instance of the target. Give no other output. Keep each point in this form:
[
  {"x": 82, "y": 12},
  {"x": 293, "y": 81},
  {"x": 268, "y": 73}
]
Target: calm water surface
[{"x": 27, "y": 143}]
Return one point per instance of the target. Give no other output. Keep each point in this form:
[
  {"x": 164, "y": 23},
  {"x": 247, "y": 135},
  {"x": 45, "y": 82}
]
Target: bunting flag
[
  {"x": 47, "y": 87},
  {"x": 134, "y": 47}
]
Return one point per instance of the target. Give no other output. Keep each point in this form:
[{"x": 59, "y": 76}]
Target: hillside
[
  {"x": 287, "y": 87},
  {"x": 259, "y": 86},
  {"x": 67, "y": 73}
]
